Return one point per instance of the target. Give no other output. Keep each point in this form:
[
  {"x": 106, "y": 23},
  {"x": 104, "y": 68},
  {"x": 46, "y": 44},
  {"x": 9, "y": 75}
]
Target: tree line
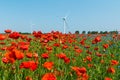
[{"x": 96, "y": 32}]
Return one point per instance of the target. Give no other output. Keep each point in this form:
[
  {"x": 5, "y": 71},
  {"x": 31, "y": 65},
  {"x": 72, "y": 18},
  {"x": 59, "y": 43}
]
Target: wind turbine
[
  {"x": 64, "y": 24},
  {"x": 32, "y": 27}
]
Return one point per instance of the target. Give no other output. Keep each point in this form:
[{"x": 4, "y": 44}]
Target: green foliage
[{"x": 78, "y": 49}]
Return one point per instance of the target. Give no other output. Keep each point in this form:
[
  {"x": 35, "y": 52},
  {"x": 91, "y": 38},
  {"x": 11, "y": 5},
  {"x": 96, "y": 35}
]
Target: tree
[
  {"x": 101, "y": 32},
  {"x": 89, "y": 32},
  {"x": 76, "y": 32},
  {"x": 83, "y": 32}
]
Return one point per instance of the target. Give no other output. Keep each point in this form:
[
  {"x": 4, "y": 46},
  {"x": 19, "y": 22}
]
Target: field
[{"x": 57, "y": 56}]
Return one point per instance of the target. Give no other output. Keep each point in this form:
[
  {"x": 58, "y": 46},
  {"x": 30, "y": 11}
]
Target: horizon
[
  {"x": 76, "y": 32},
  {"x": 45, "y": 16}
]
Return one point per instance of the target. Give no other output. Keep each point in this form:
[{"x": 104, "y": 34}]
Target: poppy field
[{"x": 58, "y": 56}]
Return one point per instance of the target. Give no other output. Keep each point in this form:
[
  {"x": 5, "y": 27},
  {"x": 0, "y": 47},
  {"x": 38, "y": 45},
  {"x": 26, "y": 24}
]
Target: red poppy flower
[
  {"x": 2, "y": 37},
  {"x": 89, "y": 52},
  {"x": 56, "y": 44},
  {"x": 67, "y": 60},
  {"x": 79, "y": 71},
  {"x": 11, "y": 48},
  {"x": 96, "y": 48},
  {"x": 107, "y": 78},
  {"x": 2, "y": 43},
  {"x": 76, "y": 47},
  {"x": 37, "y": 34},
  {"x": 23, "y": 37},
  {"x": 78, "y": 50},
  {"x": 87, "y": 46},
  {"x": 102, "y": 61},
  {"x": 89, "y": 58},
  {"x": 97, "y": 39},
  {"x": 71, "y": 41},
  {"x": 23, "y": 43},
  {"x": 62, "y": 41},
  {"x": 29, "y": 55},
  {"x": 82, "y": 70},
  {"x": 114, "y": 62},
  {"x": 85, "y": 76},
  {"x": 49, "y": 48},
  {"x": 10, "y": 56},
  {"x": 35, "y": 55},
  {"x": 14, "y": 35},
  {"x": 48, "y": 65},
  {"x": 32, "y": 65},
  {"x": 114, "y": 36},
  {"x": 94, "y": 42},
  {"x": 45, "y": 55},
  {"x": 105, "y": 46},
  {"x": 76, "y": 69},
  {"x": 49, "y": 76},
  {"x": 13, "y": 55},
  {"x": 18, "y": 54},
  {"x": 65, "y": 47},
  {"x": 98, "y": 54},
  {"x": 14, "y": 44},
  {"x": 5, "y": 60},
  {"x": 55, "y": 36},
  {"x": 82, "y": 42},
  {"x": 8, "y": 31},
  {"x": 24, "y": 47},
  {"x": 90, "y": 65},
  {"x": 61, "y": 55},
  {"x": 28, "y": 78},
  {"x": 111, "y": 70},
  {"x": 25, "y": 65},
  {"x": 4, "y": 48}
]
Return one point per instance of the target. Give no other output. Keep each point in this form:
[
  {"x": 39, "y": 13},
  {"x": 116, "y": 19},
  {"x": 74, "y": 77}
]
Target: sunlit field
[{"x": 58, "y": 56}]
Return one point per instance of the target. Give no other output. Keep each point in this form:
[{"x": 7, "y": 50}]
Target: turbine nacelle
[
  {"x": 64, "y": 18},
  {"x": 64, "y": 23}
]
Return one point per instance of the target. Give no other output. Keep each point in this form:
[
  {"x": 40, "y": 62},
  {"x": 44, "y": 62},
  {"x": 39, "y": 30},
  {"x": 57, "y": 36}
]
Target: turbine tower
[
  {"x": 32, "y": 27},
  {"x": 64, "y": 24}
]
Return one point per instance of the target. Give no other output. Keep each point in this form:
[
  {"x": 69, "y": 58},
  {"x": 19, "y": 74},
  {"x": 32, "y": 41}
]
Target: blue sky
[{"x": 46, "y": 15}]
